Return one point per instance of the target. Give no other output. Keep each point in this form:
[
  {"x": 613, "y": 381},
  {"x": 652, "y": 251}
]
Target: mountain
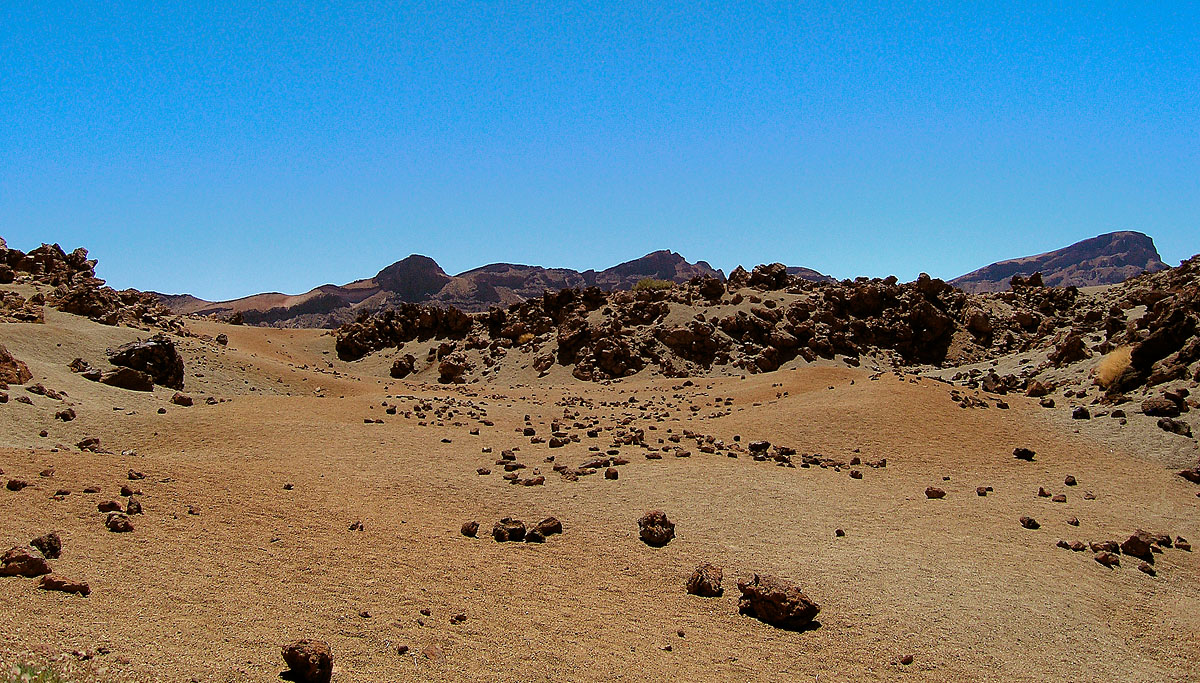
[
  {"x": 1102, "y": 260},
  {"x": 809, "y": 274},
  {"x": 419, "y": 279}
]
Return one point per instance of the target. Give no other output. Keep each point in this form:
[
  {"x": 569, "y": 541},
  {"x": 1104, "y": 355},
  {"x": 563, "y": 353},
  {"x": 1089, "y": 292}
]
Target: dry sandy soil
[{"x": 957, "y": 583}]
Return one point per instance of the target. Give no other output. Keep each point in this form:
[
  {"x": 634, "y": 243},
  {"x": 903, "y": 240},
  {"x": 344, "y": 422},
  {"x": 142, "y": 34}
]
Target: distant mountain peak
[{"x": 1102, "y": 260}]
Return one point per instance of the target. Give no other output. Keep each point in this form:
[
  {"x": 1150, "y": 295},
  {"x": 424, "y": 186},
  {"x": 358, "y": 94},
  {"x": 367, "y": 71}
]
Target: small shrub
[
  {"x": 1112, "y": 366},
  {"x": 525, "y": 338},
  {"x": 30, "y": 673},
  {"x": 652, "y": 284}
]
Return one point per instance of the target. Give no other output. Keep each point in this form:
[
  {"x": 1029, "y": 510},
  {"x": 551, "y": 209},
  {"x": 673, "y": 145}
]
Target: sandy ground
[{"x": 957, "y": 583}]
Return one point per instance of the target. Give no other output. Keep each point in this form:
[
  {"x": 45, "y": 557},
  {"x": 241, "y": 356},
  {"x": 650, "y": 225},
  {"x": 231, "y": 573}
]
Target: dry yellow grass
[{"x": 1112, "y": 365}]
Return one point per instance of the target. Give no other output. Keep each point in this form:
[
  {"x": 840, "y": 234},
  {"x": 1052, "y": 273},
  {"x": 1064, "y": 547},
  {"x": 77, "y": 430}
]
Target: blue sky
[{"x": 251, "y": 147}]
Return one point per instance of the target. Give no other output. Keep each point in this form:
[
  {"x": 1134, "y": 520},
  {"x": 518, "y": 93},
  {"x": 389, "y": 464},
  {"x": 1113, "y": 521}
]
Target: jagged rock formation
[
  {"x": 77, "y": 290},
  {"x": 1102, "y": 260},
  {"x": 765, "y": 318}
]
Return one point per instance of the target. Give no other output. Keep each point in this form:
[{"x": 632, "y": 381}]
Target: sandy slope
[{"x": 956, "y": 582}]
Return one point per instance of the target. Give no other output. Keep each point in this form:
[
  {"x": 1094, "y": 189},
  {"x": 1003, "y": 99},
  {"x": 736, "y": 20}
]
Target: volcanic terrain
[{"x": 969, "y": 486}]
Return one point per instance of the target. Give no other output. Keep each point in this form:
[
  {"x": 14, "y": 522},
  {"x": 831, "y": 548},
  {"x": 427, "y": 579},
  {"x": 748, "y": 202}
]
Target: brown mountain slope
[{"x": 1103, "y": 260}]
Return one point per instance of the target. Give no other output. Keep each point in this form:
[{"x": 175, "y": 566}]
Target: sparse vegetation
[
  {"x": 30, "y": 673},
  {"x": 1112, "y": 365},
  {"x": 652, "y": 284}
]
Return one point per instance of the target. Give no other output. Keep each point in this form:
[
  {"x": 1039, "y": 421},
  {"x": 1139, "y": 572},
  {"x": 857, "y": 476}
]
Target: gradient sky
[{"x": 256, "y": 147}]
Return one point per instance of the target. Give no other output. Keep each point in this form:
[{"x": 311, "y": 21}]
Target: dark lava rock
[
  {"x": 118, "y": 522},
  {"x": 20, "y": 561},
  {"x": 934, "y": 493},
  {"x": 705, "y": 581},
  {"x": 127, "y": 378},
  {"x": 1138, "y": 545},
  {"x": 470, "y": 528},
  {"x": 776, "y": 602},
  {"x": 49, "y": 545},
  {"x": 53, "y": 582},
  {"x": 509, "y": 529},
  {"x": 310, "y": 661},
  {"x": 1023, "y": 454},
  {"x": 1175, "y": 426},
  {"x": 655, "y": 529},
  {"x": 155, "y": 356}
]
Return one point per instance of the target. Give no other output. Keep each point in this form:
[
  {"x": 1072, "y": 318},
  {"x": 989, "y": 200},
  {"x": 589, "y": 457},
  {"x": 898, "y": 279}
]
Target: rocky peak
[
  {"x": 1103, "y": 260},
  {"x": 416, "y": 278}
]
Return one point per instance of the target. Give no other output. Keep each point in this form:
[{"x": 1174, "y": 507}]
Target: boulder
[
  {"x": 776, "y": 602},
  {"x": 705, "y": 581},
  {"x": 1175, "y": 426},
  {"x": 310, "y": 661},
  {"x": 127, "y": 378},
  {"x": 155, "y": 356},
  {"x": 1159, "y": 406},
  {"x": 655, "y": 529},
  {"x": 1138, "y": 545},
  {"x": 403, "y": 367},
  {"x": 12, "y": 371},
  {"x": 20, "y": 561}
]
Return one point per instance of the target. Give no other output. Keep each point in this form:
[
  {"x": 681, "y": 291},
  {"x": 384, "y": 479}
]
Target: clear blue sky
[{"x": 251, "y": 147}]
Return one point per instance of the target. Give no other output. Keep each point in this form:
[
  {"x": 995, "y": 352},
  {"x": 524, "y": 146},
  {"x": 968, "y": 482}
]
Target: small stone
[
  {"x": 1145, "y": 568},
  {"x": 49, "y": 545},
  {"x": 118, "y": 522},
  {"x": 1070, "y": 480},
  {"x": 1030, "y": 523},
  {"x": 470, "y": 529},
  {"x": 53, "y": 582},
  {"x": 934, "y": 493},
  {"x": 1108, "y": 559},
  {"x": 509, "y": 529},
  {"x": 1023, "y": 454},
  {"x": 705, "y": 581}
]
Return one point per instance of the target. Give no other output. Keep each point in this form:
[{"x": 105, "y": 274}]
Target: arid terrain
[{"x": 303, "y": 494}]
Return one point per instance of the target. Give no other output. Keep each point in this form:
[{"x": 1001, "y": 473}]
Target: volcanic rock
[
  {"x": 53, "y": 582},
  {"x": 310, "y": 661},
  {"x": 776, "y": 602},
  {"x": 509, "y": 529},
  {"x": 655, "y": 529},
  {"x": 49, "y": 545},
  {"x": 155, "y": 356},
  {"x": 20, "y": 561},
  {"x": 705, "y": 581}
]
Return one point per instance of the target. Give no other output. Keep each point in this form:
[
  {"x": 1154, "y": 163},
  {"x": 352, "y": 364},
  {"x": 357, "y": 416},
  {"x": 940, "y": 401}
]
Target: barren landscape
[{"x": 932, "y": 486}]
